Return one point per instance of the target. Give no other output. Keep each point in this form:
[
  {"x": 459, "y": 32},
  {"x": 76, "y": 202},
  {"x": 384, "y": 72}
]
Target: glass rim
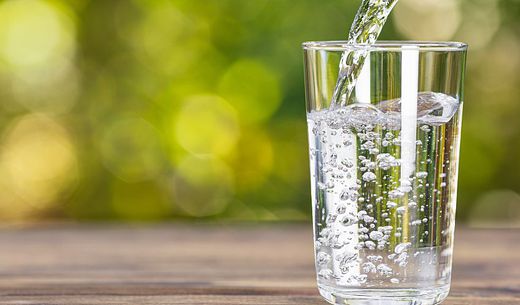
[{"x": 386, "y": 46}]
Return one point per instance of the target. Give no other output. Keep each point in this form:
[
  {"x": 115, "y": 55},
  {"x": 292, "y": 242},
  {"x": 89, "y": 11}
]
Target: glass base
[{"x": 423, "y": 296}]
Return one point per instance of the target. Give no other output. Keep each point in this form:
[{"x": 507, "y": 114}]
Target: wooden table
[{"x": 268, "y": 264}]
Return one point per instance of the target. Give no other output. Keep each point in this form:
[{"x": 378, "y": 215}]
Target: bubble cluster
[{"x": 371, "y": 212}]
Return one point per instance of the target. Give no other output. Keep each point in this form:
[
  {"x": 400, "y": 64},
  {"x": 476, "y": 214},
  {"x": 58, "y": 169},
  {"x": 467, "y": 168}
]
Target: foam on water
[{"x": 432, "y": 109}]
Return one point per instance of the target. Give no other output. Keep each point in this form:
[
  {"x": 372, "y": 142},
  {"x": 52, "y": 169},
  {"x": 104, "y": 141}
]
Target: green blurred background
[{"x": 163, "y": 110}]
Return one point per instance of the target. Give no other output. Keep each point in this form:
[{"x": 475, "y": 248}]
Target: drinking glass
[{"x": 384, "y": 166}]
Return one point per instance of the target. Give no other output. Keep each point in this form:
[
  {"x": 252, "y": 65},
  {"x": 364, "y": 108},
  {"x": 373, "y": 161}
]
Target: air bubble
[
  {"x": 325, "y": 274},
  {"x": 348, "y": 195},
  {"x": 349, "y": 220},
  {"x": 383, "y": 269},
  {"x": 362, "y": 278},
  {"x": 370, "y": 245},
  {"x": 323, "y": 258},
  {"x": 402, "y": 247},
  {"x": 421, "y": 175},
  {"x": 375, "y": 258},
  {"x": 347, "y": 258},
  {"x": 369, "y": 267},
  {"x": 376, "y": 235},
  {"x": 395, "y": 194},
  {"x": 369, "y": 176},
  {"x": 341, "y": 209}
]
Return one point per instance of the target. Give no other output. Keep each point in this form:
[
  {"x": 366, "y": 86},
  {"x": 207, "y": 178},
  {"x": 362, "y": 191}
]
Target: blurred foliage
[{"x": 153, "y": 110}]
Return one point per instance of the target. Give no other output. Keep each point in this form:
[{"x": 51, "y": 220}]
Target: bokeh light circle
[
  {"x": 252, "y": 88},
  {"x": 206, "y": 124},
  {"x": 130, "y": 149},
  {"x": 37, "y": 47},
  {"x": 187, "y": 40},
  {"x": 35, "y": 33},
  {"x": 480, "y": 24},
  {"x": 53, "y": 92},
  {"x": 427, "y": 19},
  {"x": 496, "y": 70},
  {"x": 40, "y": 160}
]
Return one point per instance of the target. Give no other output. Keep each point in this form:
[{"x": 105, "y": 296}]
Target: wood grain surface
[{"x": 214, "y": 265}]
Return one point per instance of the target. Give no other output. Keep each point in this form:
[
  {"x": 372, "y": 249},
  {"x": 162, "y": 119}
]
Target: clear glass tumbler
[{"x": 384, "y": 168}]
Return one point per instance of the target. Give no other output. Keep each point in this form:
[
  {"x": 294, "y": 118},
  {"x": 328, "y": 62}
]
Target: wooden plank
[{"x": 213, "y": 265}]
